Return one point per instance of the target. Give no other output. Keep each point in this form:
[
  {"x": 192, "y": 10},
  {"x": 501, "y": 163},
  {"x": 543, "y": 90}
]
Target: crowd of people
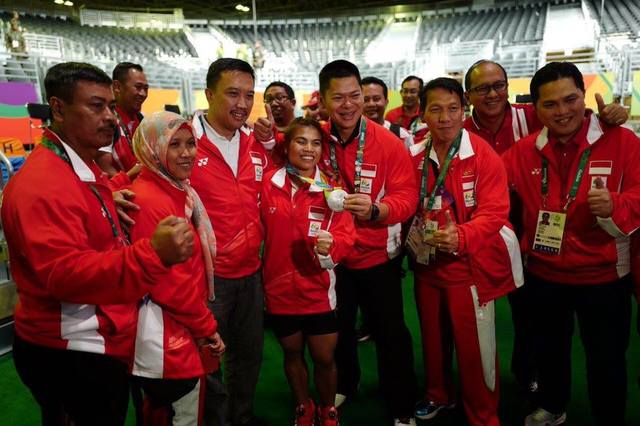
[{"x": 162, "y": 244}]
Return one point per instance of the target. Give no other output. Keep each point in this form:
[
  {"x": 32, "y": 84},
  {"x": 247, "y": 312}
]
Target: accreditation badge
[
  {"x": 549, "y": 232},
  {"x": 314, "y": 228},
  {"x": 366, "y": 185},
  {"x": 259, "y": 172},
  {"x": 415, "y": 244}
]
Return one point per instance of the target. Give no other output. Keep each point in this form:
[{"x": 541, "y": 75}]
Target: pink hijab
[{"x": 150, "y": 144}]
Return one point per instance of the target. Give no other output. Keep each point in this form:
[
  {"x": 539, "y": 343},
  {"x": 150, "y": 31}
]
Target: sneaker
[
  {"x": 306, "y": 414},
  {"x": 328, "y": 416},
  {"x": 408, "y": 421},
  {"x": 426, "y": 410},
  {"x": 542, "y": 417},
  {"x": 340, "y": 399},
  {"x": 363, "y": 334}
]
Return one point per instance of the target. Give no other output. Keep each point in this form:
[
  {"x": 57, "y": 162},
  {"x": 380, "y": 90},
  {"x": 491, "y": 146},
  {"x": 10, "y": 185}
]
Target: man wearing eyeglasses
[
  {"x": 282, "y": 100},
  {"x": 502, "y": 124},
  {"x": 409, "y": 111}
]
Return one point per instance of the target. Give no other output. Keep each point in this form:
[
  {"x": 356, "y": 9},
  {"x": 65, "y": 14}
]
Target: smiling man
[
  {"x": 371, "y": 164},
  {"x": 585, "y": 178},
  {"x": 228, "y": 178},
  {"x": 282, "y": 99},
  {"x": 131, "y": 89},
  {"x": 466, "y": 256},
  {"x": 375, "y": 102},
  {"x": 409, "y": 112}
]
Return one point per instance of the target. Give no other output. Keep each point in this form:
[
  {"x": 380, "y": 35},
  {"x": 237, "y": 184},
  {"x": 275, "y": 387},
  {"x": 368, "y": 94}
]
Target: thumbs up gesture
[
  {"x": 263, "y": 127},
  {"x": 446, "y": 238},
  {"x": 599, "y": 199},
  {"x": 612, "y": 114}
]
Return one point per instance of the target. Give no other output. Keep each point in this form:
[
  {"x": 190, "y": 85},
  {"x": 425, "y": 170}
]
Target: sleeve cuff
[
  {"x": 269, "y": 145},
  {"x": 326, "y": 262},
  {"x": 610, "y": 227},
  {"x": 151, "y": 262},
  {"x": 461, "y": 242}
]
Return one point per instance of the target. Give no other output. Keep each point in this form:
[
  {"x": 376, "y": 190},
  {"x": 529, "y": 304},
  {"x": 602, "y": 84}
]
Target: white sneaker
[
  {"x": 541, "y": 417},
  {"x": 340, "y": 399},
  {"x": 397, "y": 422}
]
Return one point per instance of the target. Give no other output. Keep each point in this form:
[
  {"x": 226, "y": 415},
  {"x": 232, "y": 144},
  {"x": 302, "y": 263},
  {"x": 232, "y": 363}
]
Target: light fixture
[
  {"x": 68, "y": 3},
  {"x": 58, "y": 1},
  {"x": 242, "y": 8}
]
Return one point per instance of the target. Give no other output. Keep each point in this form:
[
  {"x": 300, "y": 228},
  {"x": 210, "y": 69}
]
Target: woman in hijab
[{"x": 176, "y": 340}]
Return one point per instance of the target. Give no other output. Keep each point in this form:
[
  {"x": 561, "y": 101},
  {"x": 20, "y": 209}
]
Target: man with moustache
[
  {"x": 374, "y": 167},
  {"x": 228, "y": 176},
  {"x": 131, "y": 89},
  {"x": 78, "y": 278},
  {"x": 586, "y": 177},
  {"x": 408, "y": 114},
  {"x": 376, "y": 99},
  {"x": 282, "y": 100}
]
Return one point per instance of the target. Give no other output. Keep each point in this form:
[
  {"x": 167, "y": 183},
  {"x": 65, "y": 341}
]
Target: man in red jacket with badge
[
  {"x": 584, "y": 178},
  {"x": 373, "y": 166},
  {"x": 230, "y": 165},
  {"x": 502, "y": 124},
  {"x": 78, "y": 278},
  {"x": 466, "y": 256},
  {"x": 131, "y": 89}
]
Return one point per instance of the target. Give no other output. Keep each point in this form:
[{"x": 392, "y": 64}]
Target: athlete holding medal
[{"x": 306, "y": 236}]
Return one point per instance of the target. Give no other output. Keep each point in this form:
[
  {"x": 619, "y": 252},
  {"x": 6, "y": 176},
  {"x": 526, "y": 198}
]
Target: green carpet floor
[{"x": 274, "y": 404}]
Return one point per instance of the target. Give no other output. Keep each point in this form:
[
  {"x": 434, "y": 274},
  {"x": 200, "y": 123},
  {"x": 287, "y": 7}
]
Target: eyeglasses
[
  {"x": 485, "y": 89},
  {"x": 271, "y": 99}
]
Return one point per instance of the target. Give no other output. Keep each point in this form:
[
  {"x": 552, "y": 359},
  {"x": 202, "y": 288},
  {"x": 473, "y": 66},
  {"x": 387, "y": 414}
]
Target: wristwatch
[{"x": 375, "y": 212}]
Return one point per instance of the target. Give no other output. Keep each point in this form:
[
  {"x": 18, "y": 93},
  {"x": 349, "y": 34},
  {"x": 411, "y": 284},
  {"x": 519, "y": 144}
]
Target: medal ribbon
[{"x": 359, "y": 157}]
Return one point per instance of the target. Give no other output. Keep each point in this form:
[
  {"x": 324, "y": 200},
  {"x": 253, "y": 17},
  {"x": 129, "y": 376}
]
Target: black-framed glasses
[
  {"x": 271, "y": 99},
  {"x": 498, "y": 86}
]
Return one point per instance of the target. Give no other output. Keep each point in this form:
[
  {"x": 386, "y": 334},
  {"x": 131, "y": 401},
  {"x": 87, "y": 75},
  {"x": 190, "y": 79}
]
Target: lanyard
[
  {"x": 325, "y": 186},
  {"x": 124, "y": 129},
  {"x": 453, "y": 150},
  {"x": 49, "y": 144},
  {"x": 413, "y": 128},
  {"x": 576, "y": 181},
  {"x": 359, "y": 156}
]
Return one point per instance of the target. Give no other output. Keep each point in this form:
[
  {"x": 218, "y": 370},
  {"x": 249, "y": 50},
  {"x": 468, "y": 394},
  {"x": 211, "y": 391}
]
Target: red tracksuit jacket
[
  {"x": 78, "y": 287},
  {"x": 387, "y": 169},
  {"x": 488, "y": 254},
  {"x": 295, "y": 282},
  {"x": 123, "y": 157},
  {"x": 232, "y": 202},
  {"x": 520, "y": 120},
  {"x": 175, "y": 311},
  {"x": 593, "y": 250}
]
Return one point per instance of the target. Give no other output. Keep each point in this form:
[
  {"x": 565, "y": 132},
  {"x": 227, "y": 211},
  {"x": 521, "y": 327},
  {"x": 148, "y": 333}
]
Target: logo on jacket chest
[{"x": 203, "y": 161}]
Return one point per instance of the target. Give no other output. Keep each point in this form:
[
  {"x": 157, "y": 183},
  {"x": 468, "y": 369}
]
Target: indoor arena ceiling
[{"x": 213, "y": 9}]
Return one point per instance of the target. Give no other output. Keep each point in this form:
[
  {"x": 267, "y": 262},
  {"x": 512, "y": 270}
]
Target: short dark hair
[
  {"x": 554, "y": 71},
  {"x": 121, "y": 70},
  {"x": 296, "y": 124},
  {"x": 285, "y": 86},
  {"x": 413, "y": 77},
  {"x": 376, "y": 80},
  {"x": 61, "y": 79},
  {"x": 226, "y": 64},
  {"x": 337, "y": 69},
  {"x": 446, "y": 83},
  {"x": 467, "y": 76}
]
